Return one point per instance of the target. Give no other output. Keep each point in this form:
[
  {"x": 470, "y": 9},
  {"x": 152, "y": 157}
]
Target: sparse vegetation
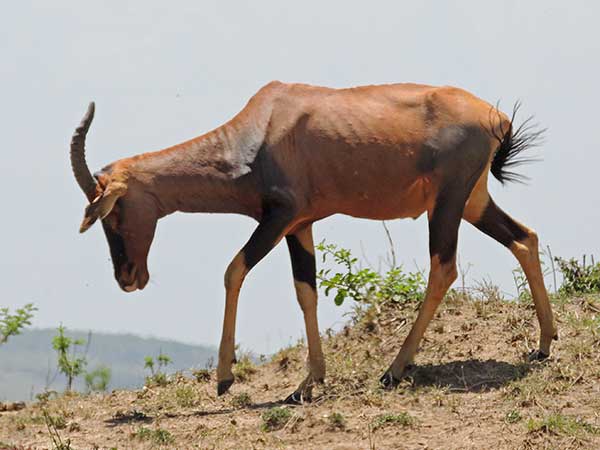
[
  {"x": 241, "y": 400},
  {"x": 186, "y": 396},
  {"x": 560, "y": 424},
  {"x": 69, "y": 363},
  {"x": 97, "y": 380},
  {"x": 201, "y": 375},
  {"x": 158, "y": 436},
  {"x": 579, "y": 278},
  {"x": 513, "y": 416},
  {"x": 11, "y": 324},
  {"x": 275, "y": 418},
  {"x": 402, "y": 419},
  {"x": 244, "y": 368},
  {"x": 157, "y": 375},
  {"x": 365, "y": 285},
  {"x": 472, "y": 375},
  {"x": 337, "y": 421}
]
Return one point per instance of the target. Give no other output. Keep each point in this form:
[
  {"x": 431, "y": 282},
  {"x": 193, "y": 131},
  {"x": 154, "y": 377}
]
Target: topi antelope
[{"x": 296, "y": 154}]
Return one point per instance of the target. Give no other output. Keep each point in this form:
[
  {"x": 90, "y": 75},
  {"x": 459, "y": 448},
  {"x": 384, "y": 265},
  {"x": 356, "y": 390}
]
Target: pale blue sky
[{"x": 163, "y": 72}]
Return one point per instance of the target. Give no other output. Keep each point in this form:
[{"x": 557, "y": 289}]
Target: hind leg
[
  {"x": 523, "y": 243},
  {"x": 443, "y": 236}
]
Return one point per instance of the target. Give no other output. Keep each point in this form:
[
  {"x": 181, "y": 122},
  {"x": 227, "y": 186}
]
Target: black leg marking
[
  {"x": 303, "y": 262},
  {"x": 266, "y": 235},
  {"x": 223, "y": 386},
  {"x": 445, "y": 220},
  {"x": 500, "y": 226},
  {"x": 388, "y": 380},
  {"x": 537, "y": 355},
  {"x": 296, "y": 398}
]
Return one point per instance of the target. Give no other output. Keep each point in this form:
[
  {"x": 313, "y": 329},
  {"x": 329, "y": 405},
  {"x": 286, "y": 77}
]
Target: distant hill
[{"x": 28, "y": 361}]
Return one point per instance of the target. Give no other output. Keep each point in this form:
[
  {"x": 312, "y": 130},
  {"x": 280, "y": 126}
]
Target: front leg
[
  {"x": 268, "y": 233},
  {"x": 302, "y": 254}
]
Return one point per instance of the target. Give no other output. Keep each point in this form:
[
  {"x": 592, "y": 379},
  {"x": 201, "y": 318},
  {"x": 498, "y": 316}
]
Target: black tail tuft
[{"x": 512, "y": 145}]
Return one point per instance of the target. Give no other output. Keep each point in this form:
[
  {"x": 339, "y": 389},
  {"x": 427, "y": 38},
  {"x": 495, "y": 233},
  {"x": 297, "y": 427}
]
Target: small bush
[
  {"x": 366, "y": 285},
  {"x": 337, "y": 421},
  {"x": 158, "y": 436},
  {"x": 241, "y": 400},
  {"x": 97, "y": 380},
  {"x": 157, "y": 375},
  {"x": 403, "y": 419},
  {"x": 186, "y": 396},
  {"x": 579, "y": 278},
  {"x": 559, "y": 424},
  {"x": 201, "y": 375},
  {"x": 244, "y": 368},
  {"x": 512, "y": 417},
  {"x": 68, "y": 363},
  {"x": 275, "y": 418},
  {"x": 11, "y": 324}
]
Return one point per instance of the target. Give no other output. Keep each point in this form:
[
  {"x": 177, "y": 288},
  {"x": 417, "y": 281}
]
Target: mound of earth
[{"x": 472, "y": 388}]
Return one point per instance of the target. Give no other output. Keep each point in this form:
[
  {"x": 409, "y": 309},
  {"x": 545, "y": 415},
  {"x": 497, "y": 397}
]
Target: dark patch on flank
[
  {"x": 458, "y": 155},
  {"x": 497, "y": 224},
  {"x": 303, "y": 262}
]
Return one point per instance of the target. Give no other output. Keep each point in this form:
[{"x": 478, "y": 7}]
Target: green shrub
[
  {"x": 97, "y": 380},
  {"x": 158, "y": 436},
  {"x": 403, "y": 419},
  {"x": 244, "y": 368},
  {"x": 337, "y": 421},
  {"x": 68, "y": 363},
  {"x": 241, "y": 400},
  {"x": 157, "y": 375},
  {"x": 13, "y": 324},
  {"x": 366, "y": 285},
  {"x": 275, "y": 418},
  {"x": 579, "y": 278}
]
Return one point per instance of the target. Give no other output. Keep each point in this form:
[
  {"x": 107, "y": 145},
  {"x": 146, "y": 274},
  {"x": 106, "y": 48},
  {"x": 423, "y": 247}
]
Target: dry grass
[{"x": 472, "y": 388}]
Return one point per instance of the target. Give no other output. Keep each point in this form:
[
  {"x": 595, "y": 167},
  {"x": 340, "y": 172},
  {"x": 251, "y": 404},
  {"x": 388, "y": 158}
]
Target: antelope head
[{"x": 128, "y": 213}]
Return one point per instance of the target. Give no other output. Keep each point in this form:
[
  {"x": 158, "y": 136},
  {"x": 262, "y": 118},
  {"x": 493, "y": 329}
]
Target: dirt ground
[{"x": 472, "y": 388}]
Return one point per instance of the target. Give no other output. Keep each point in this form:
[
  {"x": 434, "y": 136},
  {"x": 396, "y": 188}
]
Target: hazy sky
[{"x": 163, "y": 72}]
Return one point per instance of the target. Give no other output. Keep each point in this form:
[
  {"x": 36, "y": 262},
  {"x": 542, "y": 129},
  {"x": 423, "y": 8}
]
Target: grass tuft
[{"x": 275, "y": 418}]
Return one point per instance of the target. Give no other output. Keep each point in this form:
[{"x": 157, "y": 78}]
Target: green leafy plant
[
  {"x": 275, "y": 418},
  {"x": 559, "y": 424},
  {"x": 403, "y": 419},
  {"x": 365, "y": 285},
  {"x": 579, "y": 278},
  {"x": 53, "y": 424},
  {"x": 244, "y": 368},
  {"x": 157, "y": 367},
  {"x": 11, "y": 324},
  {"x": 158, "y": 436},
  {"x": 186, "y": 396},
  {"x": 512, "y": 416},
  {"x": 97, "y": 380},
  {"x": 68, "y": 362},
  {"x": 337, "y": 421},
  {"x": 241, "y": 400}
]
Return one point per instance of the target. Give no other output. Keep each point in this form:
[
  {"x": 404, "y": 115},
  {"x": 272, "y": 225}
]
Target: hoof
[
  {"x": 537, "y": 355},
  {"x": 389, "y": 381},
  {"x": 296, "y": 398},
  {"x": 223, "y": 386}
]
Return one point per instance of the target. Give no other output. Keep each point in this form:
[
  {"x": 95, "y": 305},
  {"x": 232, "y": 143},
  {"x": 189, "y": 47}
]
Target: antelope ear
[{"x": 102, "y": 205}]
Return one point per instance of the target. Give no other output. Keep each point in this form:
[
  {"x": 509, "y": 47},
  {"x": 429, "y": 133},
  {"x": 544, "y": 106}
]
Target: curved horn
[{"x": 84, "y": 178}]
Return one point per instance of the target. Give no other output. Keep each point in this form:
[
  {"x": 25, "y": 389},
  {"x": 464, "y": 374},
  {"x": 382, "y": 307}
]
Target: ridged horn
[{"x": 84, "y": 178}]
